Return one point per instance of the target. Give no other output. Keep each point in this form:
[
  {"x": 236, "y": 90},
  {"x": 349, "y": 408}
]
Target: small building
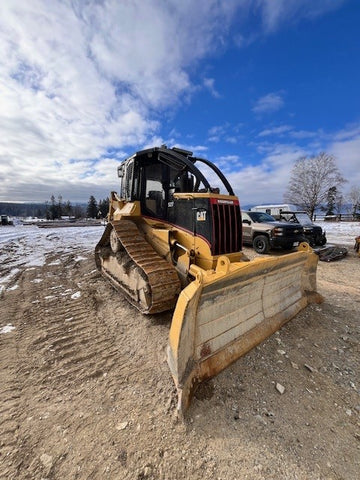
[
  {"x": 274, "y": 210},
  {"x": 6, "y": 220}
]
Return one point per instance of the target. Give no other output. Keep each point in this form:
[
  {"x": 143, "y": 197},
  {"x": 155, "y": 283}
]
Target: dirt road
[{"x": 86, "y": 393}]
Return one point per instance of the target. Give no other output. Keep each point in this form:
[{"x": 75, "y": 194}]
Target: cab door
[
  {"x": 154, "y": 193},
  {"x": 246, "y": 228}
]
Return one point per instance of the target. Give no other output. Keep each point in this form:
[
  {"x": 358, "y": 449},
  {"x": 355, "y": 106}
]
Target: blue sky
[{"x": 250, "y": 84}]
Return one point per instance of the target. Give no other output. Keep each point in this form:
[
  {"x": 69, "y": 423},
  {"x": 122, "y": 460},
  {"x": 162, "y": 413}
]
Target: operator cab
[
  {"x": 155, "y": 175},
  {"x": 172, "y": 189}
]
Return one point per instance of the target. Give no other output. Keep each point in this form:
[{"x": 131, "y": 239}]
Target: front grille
[
  {"x": 294, "y": 231},
  {"x": 227, "y": 231}
]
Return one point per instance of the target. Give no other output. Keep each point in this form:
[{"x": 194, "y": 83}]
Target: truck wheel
[
  {"x": 323, "y": 241},
  {"x": 261, "y": 244}
]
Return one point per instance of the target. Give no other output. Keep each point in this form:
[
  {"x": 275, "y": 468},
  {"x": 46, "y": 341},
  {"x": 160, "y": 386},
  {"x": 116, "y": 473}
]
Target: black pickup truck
[
  {"x": 314, "y": 234},
  {"x": 263, "y": 232}
]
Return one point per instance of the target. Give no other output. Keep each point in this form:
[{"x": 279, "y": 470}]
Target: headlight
[{"x": 278, "y": 231}]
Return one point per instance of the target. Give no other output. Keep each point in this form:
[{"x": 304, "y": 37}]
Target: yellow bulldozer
[{"x": 173, "y": 241}]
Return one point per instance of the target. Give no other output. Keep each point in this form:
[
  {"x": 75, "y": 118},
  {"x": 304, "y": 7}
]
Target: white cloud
[
  {"x": 209, "y": 84},
  {"x": 346, "y": 149},
  {"x": 349, "y": 133},
  {"x": 229, "y": 163},
  {"x": 267, "y": 181},
  {"x": 280, "y": 130},
  {"x": 83, "y": 81},
  {"x": 228, "y": 158},
  {"x": 218, "y": 129},
  {"x": 81, "y": 78},
  {"x": 287, "y": 130},
  {"x": 226, "y": 133},
  {"x": 217, "y": 132},
  {"x": 197, "y": 150},
  {"x": 272, "y": 102},
  {"x": 301, "y": 134},
  {"x": 276, "y": 12},
  {"x": 231, "y": 139}
]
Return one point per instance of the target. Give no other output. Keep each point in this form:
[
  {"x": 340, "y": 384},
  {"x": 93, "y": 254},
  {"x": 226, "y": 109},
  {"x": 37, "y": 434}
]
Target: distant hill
[
  {"x": 246, "y": 207},
  {"x": 14, "y": 209},
  {"x": 23, "y": 209}
]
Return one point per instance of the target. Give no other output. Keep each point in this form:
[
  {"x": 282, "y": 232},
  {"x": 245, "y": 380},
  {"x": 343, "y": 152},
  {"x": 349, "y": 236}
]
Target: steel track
[{"x": 163, "y": 284}]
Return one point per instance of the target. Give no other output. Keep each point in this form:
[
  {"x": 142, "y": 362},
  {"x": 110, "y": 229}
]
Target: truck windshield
[
  {"x": 303, "y": 218},
  {"x": 261, "y": 217}
]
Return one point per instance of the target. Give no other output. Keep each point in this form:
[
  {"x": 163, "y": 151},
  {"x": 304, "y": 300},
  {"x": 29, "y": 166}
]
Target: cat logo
[{"x": 201, "y": 216}]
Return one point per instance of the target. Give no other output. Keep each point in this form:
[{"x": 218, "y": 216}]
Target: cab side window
[{"x": 154, "y": 191}]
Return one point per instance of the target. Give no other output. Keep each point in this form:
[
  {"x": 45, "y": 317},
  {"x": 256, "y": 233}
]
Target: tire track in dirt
[
  {"x": 10, "y": 389},
  {"x": 66, "y": 356},
  {"x": 86, "y": 392},
  {"x": 72, "y": 345}
]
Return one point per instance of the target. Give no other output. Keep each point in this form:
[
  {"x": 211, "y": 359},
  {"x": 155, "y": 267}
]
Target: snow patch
[
  {"x": 79, "y": 258},
  {"x": 66, "y": 292},
  {"x": 7, "y": 329},
  {"x": 5, "y": 280},
  {"x": 55, "y": 262},
  {"x": 24, "y": 247}
]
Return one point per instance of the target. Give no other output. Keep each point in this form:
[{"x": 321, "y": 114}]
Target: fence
[{"x": 340, "y": 217}]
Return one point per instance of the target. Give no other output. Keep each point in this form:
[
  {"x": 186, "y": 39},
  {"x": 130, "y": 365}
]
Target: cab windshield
[
  {"x": 261, "y": 217},
  {"x": 303, "y": 218}
]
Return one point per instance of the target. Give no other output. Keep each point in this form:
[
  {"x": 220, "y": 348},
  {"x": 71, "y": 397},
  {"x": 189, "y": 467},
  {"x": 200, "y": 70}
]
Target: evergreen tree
[
  {"x": 53, "y": 209},
  {"x": 59, "y": 207},
  {"x": 47, "y": 211},
  {"x": 92, "y": 208},
  {"x": 104, "y": 207},
  {"x": 331, "y": 200},
  {"x": 79, "y": 211},
  {"x": 68, "y": 208}
]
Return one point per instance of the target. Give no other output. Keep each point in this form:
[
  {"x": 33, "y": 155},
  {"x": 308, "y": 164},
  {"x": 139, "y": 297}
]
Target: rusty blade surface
[{"x": 223, "y": 314}]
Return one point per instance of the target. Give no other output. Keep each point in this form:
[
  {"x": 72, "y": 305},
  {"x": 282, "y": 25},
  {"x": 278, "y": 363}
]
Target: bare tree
[
  {"x": 354, "y": 199},
  {"x": 311, "y": 178}
]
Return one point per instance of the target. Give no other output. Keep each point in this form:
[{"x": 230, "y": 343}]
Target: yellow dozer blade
[{"x": 225, "y": 313}]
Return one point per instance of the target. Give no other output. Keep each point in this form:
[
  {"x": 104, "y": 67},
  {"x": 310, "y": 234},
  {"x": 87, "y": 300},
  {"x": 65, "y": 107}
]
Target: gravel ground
[{"x": 86, "y": 393}]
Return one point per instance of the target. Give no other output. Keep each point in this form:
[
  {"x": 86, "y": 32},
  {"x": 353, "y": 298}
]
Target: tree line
[
  {"x": 97, "y": 209},
  {"x": 316, "y": 183},
  {"x": 56, "y": 208}
]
